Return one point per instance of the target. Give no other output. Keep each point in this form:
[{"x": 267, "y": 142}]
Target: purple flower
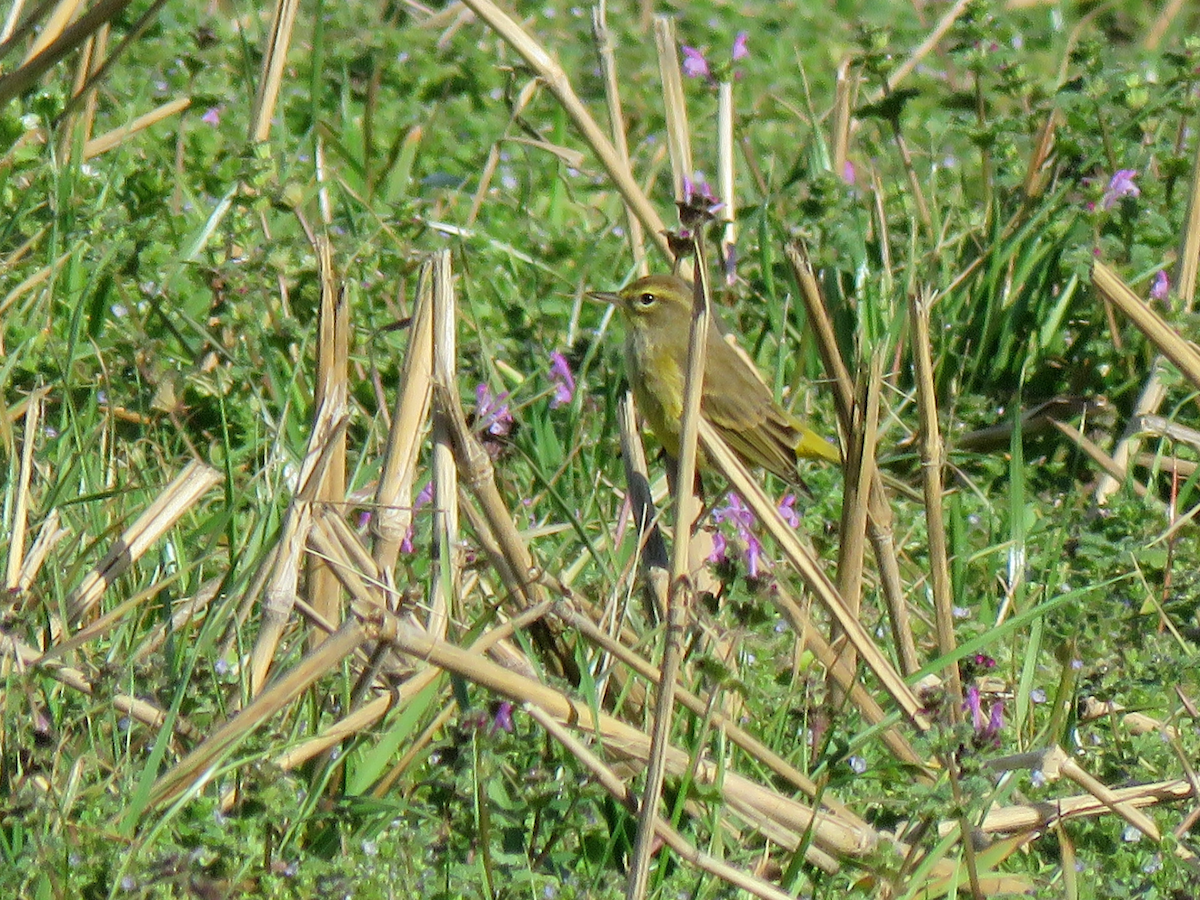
[
  {"x": 787, "y": 509},
  {"x": 754, "y": 556},
  {"x": 971, "y": 704},
  {"x": 1120, "y": 186},
  {"x": 699, "y": 199},
  {"x": 491, "y": 411},
  {"x": 564, "y": 381},
  {"x": 424, "y": 496},
  {"x": 735, "y": 512},
  {"x": 740, "y": 50},
  {"x": 1161, "y": 288},
  {"x": 986, "y": 731},
  {"x": 848, "y": 172},
  {"x": 503, "y": 721},
  {"x": 694, "y": 63},
  {"x": 212, "y": 116},
  {"x": 719, "y": 546}
]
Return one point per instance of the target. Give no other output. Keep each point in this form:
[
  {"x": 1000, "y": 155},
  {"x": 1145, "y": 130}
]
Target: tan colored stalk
[
  {"x": 914, "y": 59},
  {"x": 59, "y": 44},
  {"x": 933, "y": 460},
  {"x": 274, "y": 60},
  {"x": 332, "y": 388},
  {"x": 679, "y": 143},
  {"x": 445, "y": 559},
  {"x": 11, "y": 20},
  {"x": 393, "y": 513},
  {"x": 616, "y": 125},
  {"x": 859, "y": 471},
  {"x": 282, "y": 571},
  {"x": 118, "y": 136},
  {"x": 1036, "y": 816},
  {"x": 53, "y": 26},
  {"x": 18, "y": 526},
  {"x": 1154, "y": 392},
  {"x": 829, "y": 833},
  {"x": 683, "y": 848},
  {"x": 551, "y": 72},
  {"x": 725, "y": 163},
  {"x": 879, "y": 525},
  {"x": 180, "y": 495},
  {"x": 730, "y": 466},
  {"x": 679, "y": 591},
  {"x": 148, "y": 714},
  {"x": 49, "y": 535},
  {"x": 194, "y": 770},
  {"x": 844, "y": 93},
  {"x": 697, "y": 705},
  {"x": 41, "y": 276},
  {"x": 846, "y": 679}
]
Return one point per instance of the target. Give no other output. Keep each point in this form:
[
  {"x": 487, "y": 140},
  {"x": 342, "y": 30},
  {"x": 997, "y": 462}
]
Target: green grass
[{"x": 174, "y": 317}]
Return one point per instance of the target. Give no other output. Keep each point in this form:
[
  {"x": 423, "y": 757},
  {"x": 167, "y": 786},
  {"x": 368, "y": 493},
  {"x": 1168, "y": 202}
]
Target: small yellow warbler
[{"x": 735, "y": 400}]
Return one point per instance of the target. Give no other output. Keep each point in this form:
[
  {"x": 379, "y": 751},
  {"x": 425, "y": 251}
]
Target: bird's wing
[{"x": 745, "y": 413}]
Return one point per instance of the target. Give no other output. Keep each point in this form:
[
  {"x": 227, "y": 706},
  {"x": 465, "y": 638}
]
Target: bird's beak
[{"x": 604, "y": 297}]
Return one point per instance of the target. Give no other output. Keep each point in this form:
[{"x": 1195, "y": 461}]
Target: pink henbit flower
[
  {"x": 735, "y": 512},
  {"x": 755, "y": 560},
  {"x": 212, "y": 116},
  {"x": 787, "y": 509},
  {"x": 503, "y": 720},
  {"x": 1121, "y": 185},
  {"x": 564, "y": 381},
  {"x": 719, "y": 547},
  {"x": 1161, "y": 288},
  {"x": 740, "y": 51},
  {"x": 694, "y": 63},
  {"x": 491, "y": 411}
]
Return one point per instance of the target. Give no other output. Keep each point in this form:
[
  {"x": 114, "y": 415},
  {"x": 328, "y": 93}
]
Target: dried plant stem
[
  {"x": 939, "y": 31},
  {"x": 197, "y": 767},
  {"x": 687, "y": 509},
  {"x": 282, "y": 568},
  {"x": 26, "y": 657},
  {"x": 551, "y": 72},
  {"x": 932, "y": 463},
  {"x": 180, "y": 496},
  {"x": 118, "y": 136},
  {"x": 1182, "y": 353},
  {"x": 728, "y": 211},
  {"x": 445, "y": 569},
  {"x": 683, "y": 848},
  {"x": 879, "y": 525},
  {"x": 393, "y": 512},
  {"x": 18, "y": 525},
  {"x": 56, "y": 43},
  {"x": 829, "y": 833},
  {"x": 332, "y": 387},
  {"x": 678, "y": 134},
  {"x": 616, "y": 121},
  {"x": 693, "y": 703},
  {"x": 760, "y": 504},
  {"x": 859, "y": 471},
  {"x": 273, "y": 63},
  {"x": 845, "y": 91}
]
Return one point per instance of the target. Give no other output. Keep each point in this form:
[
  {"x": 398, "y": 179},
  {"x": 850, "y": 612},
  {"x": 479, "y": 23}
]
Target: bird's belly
[{"x": 657, "y": 384}]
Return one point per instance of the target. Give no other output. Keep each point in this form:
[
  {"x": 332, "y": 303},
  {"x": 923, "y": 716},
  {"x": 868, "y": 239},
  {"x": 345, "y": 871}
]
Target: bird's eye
[{"x": 646, "y": 299}]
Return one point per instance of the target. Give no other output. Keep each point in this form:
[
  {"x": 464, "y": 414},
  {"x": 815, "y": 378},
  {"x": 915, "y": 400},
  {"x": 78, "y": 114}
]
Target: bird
[{"x": 735, "y": 400}]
